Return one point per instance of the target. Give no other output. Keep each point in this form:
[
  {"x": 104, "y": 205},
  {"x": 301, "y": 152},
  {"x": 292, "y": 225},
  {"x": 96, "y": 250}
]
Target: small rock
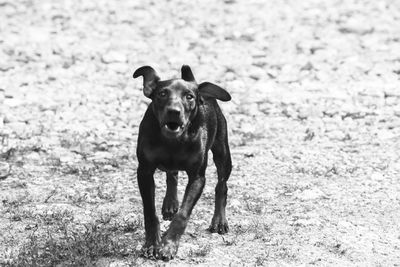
[
  {"x": 235, "y": 204},
  {"x": 230, "y": 76},
  {"x": 4, "y": 67},
  {"x": 385, "y": 134},
  {"x": 66, "y": 159},
  {"x": 307, "y": 222},
  {"x": 101, "y": 155},
  {"x": 113, "y": 56},
  {"x": 237, "y": 85},
  {"x": 336, "y": 135},
  {"x": 310, "y": 194},
  {"x": 12, "y": 102},
  {"x": 118, "y": 67},
  {"x": 344, "y": 226},
  {"x": 38, "y": 34},
  {"x": 308, "y": 66},
  {"x": 118, "y": 264},
  {"x": 5, "y": 170},
  {"x": 34, "y": 156},
  {"x": 65, "y": 156},
  {"x": 377, "y": 176},
  {"x": 18, "y": 128},
  {"x": 310, "y": 134},
  {"x": 248, "y": 127},
  {"x": 256, "y": 73},
  {"x": 108, "y": 167},
  {"x": 356, "y": 28}
]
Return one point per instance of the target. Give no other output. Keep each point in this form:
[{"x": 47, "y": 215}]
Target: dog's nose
[{"x": 174, "y": 110}]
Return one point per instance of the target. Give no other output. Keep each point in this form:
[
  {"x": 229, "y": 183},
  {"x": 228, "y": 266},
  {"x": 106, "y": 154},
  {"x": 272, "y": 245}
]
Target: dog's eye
[
  {"x": 162, "y": 93},
  {"x": 189, "y": 97}
]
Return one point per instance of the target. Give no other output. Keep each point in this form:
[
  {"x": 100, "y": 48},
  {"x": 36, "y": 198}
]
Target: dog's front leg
[
  {"x": 170, "y": 204},
  {"x": 170, "y": 240},
  {"x": 152, "y": 226}
]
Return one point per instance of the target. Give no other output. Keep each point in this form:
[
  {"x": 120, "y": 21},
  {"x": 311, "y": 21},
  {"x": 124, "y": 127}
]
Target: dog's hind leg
[
  {"x": 170, "y": 204},
  {"x": 223, "y": 162}
]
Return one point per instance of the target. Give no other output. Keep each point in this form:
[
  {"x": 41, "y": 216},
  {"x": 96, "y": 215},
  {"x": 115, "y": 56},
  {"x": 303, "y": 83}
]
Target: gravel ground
[{"x": 314, "y": 127}]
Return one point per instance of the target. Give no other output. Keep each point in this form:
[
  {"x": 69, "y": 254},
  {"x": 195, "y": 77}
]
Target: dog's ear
[
  {"x": 187, "y": 74},
  {"x": 207, "y": 89},
  {"x": 150, "y": 79}
]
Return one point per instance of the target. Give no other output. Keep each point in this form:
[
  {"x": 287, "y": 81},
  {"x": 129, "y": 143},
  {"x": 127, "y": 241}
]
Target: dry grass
[{"x": 57, "y": 239}]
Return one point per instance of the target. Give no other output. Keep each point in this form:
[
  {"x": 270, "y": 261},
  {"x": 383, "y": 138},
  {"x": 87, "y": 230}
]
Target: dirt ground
[{"x": 314, "y": 129}]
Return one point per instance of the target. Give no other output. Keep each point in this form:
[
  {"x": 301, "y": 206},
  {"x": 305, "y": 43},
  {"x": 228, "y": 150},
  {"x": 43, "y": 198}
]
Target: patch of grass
[
  {"x": 14, "y": 206},
  {"x": 286, "y": 254},
  {"x": 230, "y": 241},
  {"x": 13, "y": 152},
  {"x": 259, "y": 228},
  {"x": 338, "y": 249},
  {"x": 333, "y": 246},
  {"x": 78, "y": 198},
  {"x": 92, "y": 195},
  {"x": 64, "y": 242},
  {"x": 202, "y": 251},
  {"x": 14, "y": 202},
  {"x": 107, "y": 195},
  {"x": 255, "y": 204},
  {"x": 60, "y": 217},
  {"x": 262, "y": 259},
  {"x": 262, "y": 231},
  {"x": 84, "y": 171}
]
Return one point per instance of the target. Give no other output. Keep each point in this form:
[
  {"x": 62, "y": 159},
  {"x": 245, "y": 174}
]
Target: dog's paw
[
  {"x": 219, "y": 226},
  {"x": 149, "y": 251},
  {"x": 169, "y": 208},
  {"x": 168, "y": 250}
]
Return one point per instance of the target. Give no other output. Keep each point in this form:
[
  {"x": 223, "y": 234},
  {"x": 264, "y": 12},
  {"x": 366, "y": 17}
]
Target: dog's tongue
[{"x": 173, "y": 126}]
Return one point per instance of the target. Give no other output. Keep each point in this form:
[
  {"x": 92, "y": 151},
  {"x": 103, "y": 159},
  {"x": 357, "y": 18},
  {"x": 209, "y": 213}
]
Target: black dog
[{"x": 181, "y": 124}]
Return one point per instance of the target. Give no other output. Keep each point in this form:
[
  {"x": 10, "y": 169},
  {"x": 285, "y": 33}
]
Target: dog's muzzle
[{"x": 172, "y": 129}]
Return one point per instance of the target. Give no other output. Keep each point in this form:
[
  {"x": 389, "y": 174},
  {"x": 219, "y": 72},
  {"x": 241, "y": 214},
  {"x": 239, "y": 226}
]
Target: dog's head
[{"x": 176, "y": 101}]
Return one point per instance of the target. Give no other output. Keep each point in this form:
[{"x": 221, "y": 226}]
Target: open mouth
[{"x": 173, "y": 126}]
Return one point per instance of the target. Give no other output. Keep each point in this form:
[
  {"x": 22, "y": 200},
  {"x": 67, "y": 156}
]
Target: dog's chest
[{"x": 178, "y": 158}]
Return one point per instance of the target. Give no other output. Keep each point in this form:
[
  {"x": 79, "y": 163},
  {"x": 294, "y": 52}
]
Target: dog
[{"x": 181, "y": 124}]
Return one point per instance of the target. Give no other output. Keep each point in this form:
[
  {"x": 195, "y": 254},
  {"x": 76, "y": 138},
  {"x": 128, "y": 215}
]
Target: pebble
[
  {"x": 5, "y": 170},
  {"x": 113, "y": 56},
  {"x": 34, "y": 156},
  {"x": 118, "y": 67},
  {"x": 230, "y": 76},
  {"x": 12, "y": 102},
  {"x": 248, "y": 127},
  {"x": 306, "y": 222},
  {"x": 344, "y": 226},
  {"x": 18, "y": 128},
  {"x": 235, "y": 204},
  {"x": 310, "y": 194},
  {"x": 99, "y": 155},
  {"x": 356, "y": 26},
  {"x": 385, "y": 134},
  {"x": 377, "y": 176},
  {"x": 256, "y": 73}
]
